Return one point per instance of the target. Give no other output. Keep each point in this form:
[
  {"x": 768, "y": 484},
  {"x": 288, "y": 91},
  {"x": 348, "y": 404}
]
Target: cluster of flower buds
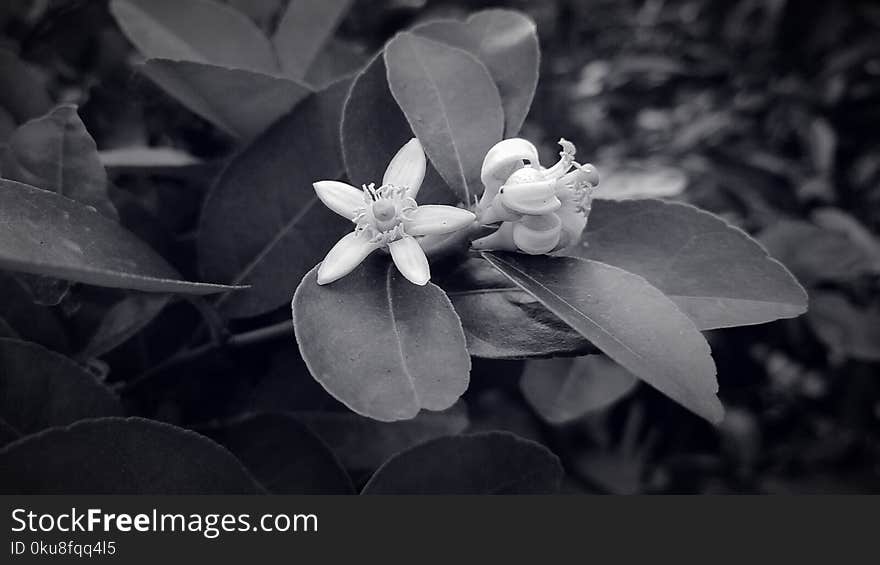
[{"x": 539, "y": 210}]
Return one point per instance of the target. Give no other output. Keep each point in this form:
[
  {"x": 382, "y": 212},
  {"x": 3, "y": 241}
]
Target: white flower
[
  {"x": 540, "y": 209},
  {"x": 388, "y": 217}
]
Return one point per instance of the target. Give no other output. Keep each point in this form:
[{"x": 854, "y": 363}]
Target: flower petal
[
  {"x": 499, "y": 240},
  {"x": 573, "y": 224},
  {"x": 342, "y": 198},
  {"x": 345, "y": 256},
  {"x": 533, "y": 198},
  {"x": 407, "y": 168},
  {"x": 537, "y": 235},
  {"x": 505, "y": 157},
  {"x": 434, "y": 219},
  {"x": 411, "y": 260}
]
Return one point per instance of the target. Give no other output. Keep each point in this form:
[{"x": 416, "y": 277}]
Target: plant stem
[
  {"x": 243, "y": 339},
  {"x": 261, "y": 334}
]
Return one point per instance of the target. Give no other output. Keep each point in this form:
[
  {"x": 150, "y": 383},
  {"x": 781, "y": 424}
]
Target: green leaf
[
  {"x": 122, "y": 321},
  {"x": 288, "y": 386},
  {"x": 45, "y": 233},
  {"x": 716, "y": 273},
  {"x": 200, "y": 31},
  {"x": 241, "y": 102},
  {"x": 45, "y": 291},
  {"x": 55, "y": 152},
  {"x": 303, "y": 30},
  {"x": 838, "y": 221},
  {"x": 374, "y": 129},
  {"x": 816, "y": 254},
  {"x": 262, "y": 12},
  {"x": 7, "y": 126},
  {"x": 485, "y": 463},
  {"x": 283, "y": 454},
  {"x": 30, "y": 321},
  {"x": 23, "y": 90},
  {"x": 849, "y": 330},
  {"x": 501, "y": 321},
  {"x": 40, "y": 389},
  {"x": 121, "y": 456},
  {"x": 629, "y": 320},
  {"x": 565, "y": 389},
  {"x": 506, "y": 42},
  {"x": 381, "y": 345},
  {"x": 450, "y": 102},
  {"x": 647, "y": 181},
  {"x": 363, "y": 444},
  {"x": 6, "y": 330},
  {"x": 262, "y": 223},
  {"x": 338, "y": 59}
]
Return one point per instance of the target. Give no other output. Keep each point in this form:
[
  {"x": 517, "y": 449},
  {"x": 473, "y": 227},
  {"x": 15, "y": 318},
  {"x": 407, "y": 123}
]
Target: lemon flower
[
  {"x": 540, "y": 209},
  {"x": 388, "y": 217}
]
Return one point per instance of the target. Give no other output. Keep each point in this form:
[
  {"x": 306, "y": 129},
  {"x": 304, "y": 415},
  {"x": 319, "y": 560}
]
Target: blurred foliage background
[{"x": 765, "y": 112}]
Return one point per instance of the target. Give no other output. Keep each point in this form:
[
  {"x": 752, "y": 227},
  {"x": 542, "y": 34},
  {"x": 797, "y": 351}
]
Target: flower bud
[
  {"x": 501, "y": 161},
  {"x": 537, "y": 235},
  {"x": 533, "y": 198}
]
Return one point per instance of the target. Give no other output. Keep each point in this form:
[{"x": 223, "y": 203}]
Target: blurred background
[{"x": 764, "y": 112}]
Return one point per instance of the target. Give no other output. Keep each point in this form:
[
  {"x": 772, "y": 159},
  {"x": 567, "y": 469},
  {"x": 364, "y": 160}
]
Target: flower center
[{"x": 385, "y": 209}]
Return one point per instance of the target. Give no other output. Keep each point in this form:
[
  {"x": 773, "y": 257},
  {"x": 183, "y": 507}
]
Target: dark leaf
[
  {"x": 338, "y": 59},
  {"x": 506, "y": 42},
  {"x": 241, "y": 102},
  {"x": 201, "y": 31},
  {"x": 848, "y": 330},
  {"x": 817, "y": 254},
  {"x": 486, "y": 463},
  {"x": 30, "y": 321},
  {"x": 45, "y": 233},
  {"x": 262, "y": 223},
  {"x": 262, "y": 12},
  {"x": 122, "y": 321},
  {"x": 121, "y": 456},
  {"x": 619, "y": 468},
  {"x": 288, "y": 386},
  {"x": 450, "y": 102},
  {"x": 374, "y": 129},
  {"x": 6, "y": 330},
  {"x": 501, "y": 321},
  {"x": 8, "y": 434},
  {"x": 714, "y": 272},
  {"x": 303, "y": 31},
  {"x": 631, "y": 321},
  {"x": 23, "y": 90},
  {"x": 283, "y": 454},
  {"x": 7, "y": 126},
  {"x": 651, "y": 181},
  {"x": 403, "y": 343},
  {"x": 363, "y": 444},
  {"x": 562, "y": 390},
  {"x": 55, "y": 152},
  {"x": 41, "y": 389},
  {"x": 863, "y": 239},
  {"x": 44, "y": 291},
  {"x": 821, "y": 142}
]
